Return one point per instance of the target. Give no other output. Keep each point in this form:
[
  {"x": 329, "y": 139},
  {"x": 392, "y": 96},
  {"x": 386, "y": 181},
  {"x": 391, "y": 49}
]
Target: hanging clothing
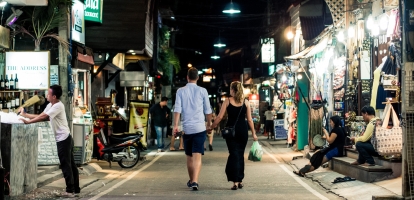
[
  {"x": 392, "y": 23},
  {"x": 375, "y": 84}
]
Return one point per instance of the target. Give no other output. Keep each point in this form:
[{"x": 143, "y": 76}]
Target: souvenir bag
[
  {"x": 390, "y": 82},
  {"x": 389, "y": 140},
  {"x": 229, "y": 132}
]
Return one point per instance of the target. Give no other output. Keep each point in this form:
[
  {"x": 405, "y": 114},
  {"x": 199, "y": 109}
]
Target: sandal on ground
[
  {"x": 338, "y": 180},
  {"x": 298, "y": 173},
  {"x": 305, "y": 169},
  {"x": 234, "y": 187},
  {"x": 172, "y": 150},
  {"x": 347, "y": 178},
  {"x": 240, "y": 185}
]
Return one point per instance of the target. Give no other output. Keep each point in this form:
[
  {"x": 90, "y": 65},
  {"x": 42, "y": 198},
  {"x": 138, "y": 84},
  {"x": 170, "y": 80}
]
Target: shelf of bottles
[{"x": 10, "y": 95}]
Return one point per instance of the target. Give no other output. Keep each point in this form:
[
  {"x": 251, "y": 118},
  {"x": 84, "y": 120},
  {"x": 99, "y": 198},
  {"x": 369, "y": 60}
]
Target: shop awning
[
  {"x": 321, "y": 44},
  {"x": 299, "y": 55}
]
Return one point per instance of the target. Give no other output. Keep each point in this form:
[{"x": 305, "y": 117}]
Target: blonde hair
[{"x": 237, "y": 88}]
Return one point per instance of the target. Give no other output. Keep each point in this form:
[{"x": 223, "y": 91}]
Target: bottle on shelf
[
  {"x": 17, "y": 100},
  {"x": 8, "y": 101},
  {"x": 11, "y": 82},
  {"x": 12, "y": 100},
  {"x": 16, "y": 83},
  {"x": 1, "y": 103},
  {"x": 6, "y": 83},
  {"x": 4, "y": 102},
  {"x": 1, "y": 83}
]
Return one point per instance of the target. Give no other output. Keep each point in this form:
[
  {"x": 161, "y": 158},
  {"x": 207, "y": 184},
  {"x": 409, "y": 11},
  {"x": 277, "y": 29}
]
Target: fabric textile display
[
  {"x": 388, "y": 141},
  {"x": 316, "y": 125}
]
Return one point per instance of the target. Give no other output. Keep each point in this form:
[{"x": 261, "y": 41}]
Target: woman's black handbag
[{"x": 229, "y": 132}]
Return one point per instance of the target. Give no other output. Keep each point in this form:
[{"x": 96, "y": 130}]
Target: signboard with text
[
  {"x": 78, "y": 22},
  {"x": 32, "y": 69},
  {"x": 93, "y": 10}
]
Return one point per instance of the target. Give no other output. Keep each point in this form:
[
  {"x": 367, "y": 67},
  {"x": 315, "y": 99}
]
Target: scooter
[{"x": 125, "y": 151}]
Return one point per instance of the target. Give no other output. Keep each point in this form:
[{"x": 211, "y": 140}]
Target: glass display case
[{"x": 81, "y": 94}]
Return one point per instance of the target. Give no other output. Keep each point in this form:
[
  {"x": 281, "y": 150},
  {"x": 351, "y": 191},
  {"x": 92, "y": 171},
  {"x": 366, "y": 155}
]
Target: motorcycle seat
[{"x": 122, "y": 139}]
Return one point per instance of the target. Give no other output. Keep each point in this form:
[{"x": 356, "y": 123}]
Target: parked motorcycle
[{"x": 125, "y": 151}]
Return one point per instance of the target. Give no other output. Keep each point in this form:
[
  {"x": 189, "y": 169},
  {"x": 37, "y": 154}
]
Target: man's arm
[
  {"x": 38, "y": 118},
  {"x": 24, "y": 114},
  {"x": 367, "y": 134}
]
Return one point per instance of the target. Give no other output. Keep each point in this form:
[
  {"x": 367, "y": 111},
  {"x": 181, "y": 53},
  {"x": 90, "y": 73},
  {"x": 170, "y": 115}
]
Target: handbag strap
[
  {"x": 239, "y": 113},
  {"x": 390, "y": 113}
]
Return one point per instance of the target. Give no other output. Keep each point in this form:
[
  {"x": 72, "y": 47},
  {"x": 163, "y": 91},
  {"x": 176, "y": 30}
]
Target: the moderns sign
[
  {"x": 32, "y": 69},
  {"x": 93, "y": 10}
]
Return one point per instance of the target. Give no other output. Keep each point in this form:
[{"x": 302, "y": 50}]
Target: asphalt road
[{"x": 164, "y": 176}]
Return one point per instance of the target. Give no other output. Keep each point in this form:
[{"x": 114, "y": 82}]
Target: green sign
[{"x": 93, "y": 10}]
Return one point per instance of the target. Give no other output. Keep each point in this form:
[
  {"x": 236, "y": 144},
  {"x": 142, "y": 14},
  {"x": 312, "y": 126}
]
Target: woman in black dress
[{"x": 238, "y": 111}]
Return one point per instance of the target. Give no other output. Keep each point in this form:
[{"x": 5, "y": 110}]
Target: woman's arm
[
  {"x": 250, "y": 120},
  {"x": 221, "y": 114},
  {"x": 331, "y": 138}
]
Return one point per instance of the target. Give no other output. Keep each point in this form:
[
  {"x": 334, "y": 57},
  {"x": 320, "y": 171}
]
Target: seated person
[
  {"x": 336, "y": 140},
  {"x": 363, "y": 143}
]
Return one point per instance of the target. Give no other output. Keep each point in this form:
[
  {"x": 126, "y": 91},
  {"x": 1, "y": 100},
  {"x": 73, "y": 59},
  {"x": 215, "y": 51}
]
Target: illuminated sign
[
  {"x": 32, "y": 71},
  {"x": 93, "y": 10}
]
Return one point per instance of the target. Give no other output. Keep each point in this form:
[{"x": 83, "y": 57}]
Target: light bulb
[
  {"x": 340, "y": 36},
  {"x": 351, "y": 31},
  {"x": 290, "y": 35},
  {"x": 370, "y": 22},
  {"x": 384, "y": 21},
  {"x": 300, "y": 76},
  {"x": 375, "y": 30},
  {"x": 284, "y": 78}
]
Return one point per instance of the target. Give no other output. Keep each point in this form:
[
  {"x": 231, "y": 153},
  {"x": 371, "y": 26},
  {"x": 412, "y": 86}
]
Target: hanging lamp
[{"x": 231, "y": 8}]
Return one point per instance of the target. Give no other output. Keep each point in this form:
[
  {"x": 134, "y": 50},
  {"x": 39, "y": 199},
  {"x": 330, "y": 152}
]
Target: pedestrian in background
[
  {"x": 55, "y": 112},
  {"x": 193, "y": 104},
  {"x": 210, "y": 134},
  {"x": 159, "y": 115},
  {"x": 238, "y": 111},
  {"x": 270, "y": 115},
  {"x": 180, "y": 128}
]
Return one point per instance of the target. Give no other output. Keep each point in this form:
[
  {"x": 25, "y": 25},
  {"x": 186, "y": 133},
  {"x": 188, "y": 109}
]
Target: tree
[{"x": 43, "y": 21}]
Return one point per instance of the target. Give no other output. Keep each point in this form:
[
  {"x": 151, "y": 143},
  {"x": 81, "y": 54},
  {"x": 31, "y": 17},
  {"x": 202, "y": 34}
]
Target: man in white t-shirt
[{"x": 55, "y": 112}]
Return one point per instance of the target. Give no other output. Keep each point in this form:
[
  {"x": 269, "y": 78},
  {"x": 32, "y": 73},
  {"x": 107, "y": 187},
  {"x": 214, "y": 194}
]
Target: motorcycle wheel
[{"x": 133, "y": 157}]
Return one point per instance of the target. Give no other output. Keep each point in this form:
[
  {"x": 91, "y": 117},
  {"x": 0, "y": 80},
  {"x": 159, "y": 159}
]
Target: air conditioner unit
[{"x": 28, "y": 2}]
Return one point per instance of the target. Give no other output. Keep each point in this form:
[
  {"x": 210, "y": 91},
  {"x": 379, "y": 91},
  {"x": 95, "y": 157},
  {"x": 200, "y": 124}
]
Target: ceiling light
[
  {"x": 189, "y": 65},
  {"x": 340, "y": 36},
  {"x": 13, "y": 17},
  {"x": 384, "y": 21},
  {"x": 351, "y": 31},
  {"x": 215, "y": 57},
  {"x": 130, "y": 51},
  {"x": 231, "y": 8},
  {"x": 290, "y": 35},
  {"x": 100, "y": 55},
  {"x": 370, "y": 22},
  {"x": 3, "y": 3},
  {"x": 219, "y": 45}
]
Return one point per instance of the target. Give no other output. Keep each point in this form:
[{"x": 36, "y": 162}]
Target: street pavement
[{"x": 164, "y": 175}]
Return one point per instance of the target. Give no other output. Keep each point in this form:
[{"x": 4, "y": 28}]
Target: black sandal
[
  {"x": 240, "y": 185},
  {"x": 298, "y": 173},
  {"x": 234, "y": 187}
]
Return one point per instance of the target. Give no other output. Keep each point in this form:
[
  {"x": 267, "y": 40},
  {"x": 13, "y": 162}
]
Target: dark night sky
[{"x": 200, "y": 21}]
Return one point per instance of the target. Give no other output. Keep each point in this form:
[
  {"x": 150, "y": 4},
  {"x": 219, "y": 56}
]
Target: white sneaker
[{"x": 66, "y": 195}]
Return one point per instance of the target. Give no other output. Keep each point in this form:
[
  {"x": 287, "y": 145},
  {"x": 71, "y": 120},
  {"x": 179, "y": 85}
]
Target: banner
[{"x": 138, "y": 119}]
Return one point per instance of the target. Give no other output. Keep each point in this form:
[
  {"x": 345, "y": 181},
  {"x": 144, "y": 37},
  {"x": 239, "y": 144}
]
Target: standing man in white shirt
[
  {"x": 55, "y": 112},
  {"x": 193, "y": 104}
]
